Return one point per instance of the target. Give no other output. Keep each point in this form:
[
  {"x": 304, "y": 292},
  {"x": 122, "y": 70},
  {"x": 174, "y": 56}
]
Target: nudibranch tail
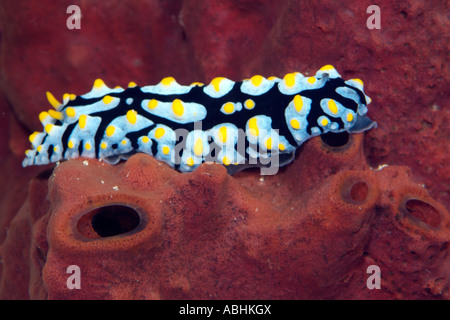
[{"x": 255, "y": 122}]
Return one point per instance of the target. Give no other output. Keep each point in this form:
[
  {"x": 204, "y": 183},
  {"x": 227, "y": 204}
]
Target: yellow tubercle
[
  {"x": 70, "y": 112},
  {"x": 87, "y": 146},
  {"x": 56, "y": 114},
  {"x": 226, "y": 161},
  {"x": 359, "y": 81},
  {"x": 256, "y": 80},
  {"x": 295, "y": 124},
  {"x": 132, "y": 84},
  {"x": 69, "y": 96},
  {"x": 98, "y": 84},
  {"x": 70, "y": 144},
  {"x": 349, "y": 117},
  {"x": 82, "y": 121},
  {"x": 298, "y": 103},
  {"x": 289, "y": 79},
  {"x": 107, "y": 99},
  {"x": 33, "y": 136},
  {"x": 223, "y": 134},
  {"x": 145, "y": 139},
  {"x": 103, "y": 145},
  {"x": 253, "y": 127},
  {"x": 216, "y": 83},
  {"x": 159, "y": 132},
  {"x": 167, "y": 81},
  {"x": 110, "y": 130},
  {"x": 281, "y": 147},
  {"x": 311, "y": 80},
  {"x": 48, "y": 127},
  {"x": 198, "y": 147},
  {"x": 43, "y": 115},
  {"x": 324, "y": 122},
  {"x": 249, "y": 104},
  {"x": 152, "y": 104},
  {"x": 228, "y": 107},
  {"x": 327, "y": 67},
  {"x": 269, "y": 143},
  {"x": 190, "y": 161},
  {"x": 332, "y": 106},
  {"x": 166, "y": 150},
  {"x": 177, "y": 107},
  {"x": 51, "y": 98},
  {"x": 132, "y": 116}
]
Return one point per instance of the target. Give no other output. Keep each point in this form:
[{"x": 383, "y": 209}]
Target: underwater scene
[{"x": 224, "y": 150}]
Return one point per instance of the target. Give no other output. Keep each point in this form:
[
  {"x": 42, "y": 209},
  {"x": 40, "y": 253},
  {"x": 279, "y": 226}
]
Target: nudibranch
[{"x": 237, "y": 124}]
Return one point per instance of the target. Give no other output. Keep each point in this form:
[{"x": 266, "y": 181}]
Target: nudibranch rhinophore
[{"x": 254, "y": 122}]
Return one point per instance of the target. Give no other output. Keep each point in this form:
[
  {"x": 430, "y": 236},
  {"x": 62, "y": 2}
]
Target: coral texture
[{"x": 141, "y": 230}]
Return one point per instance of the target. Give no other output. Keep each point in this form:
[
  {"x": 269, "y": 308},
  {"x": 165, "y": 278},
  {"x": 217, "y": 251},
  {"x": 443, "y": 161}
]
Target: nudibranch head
[{"x": 324, "y": 103}]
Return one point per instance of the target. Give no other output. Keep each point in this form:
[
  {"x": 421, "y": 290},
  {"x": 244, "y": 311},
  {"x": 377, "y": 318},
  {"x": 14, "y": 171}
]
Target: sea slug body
[{"x": 238, "y": 124}]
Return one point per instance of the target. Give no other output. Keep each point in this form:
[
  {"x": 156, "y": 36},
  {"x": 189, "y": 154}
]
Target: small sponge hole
[
  {"x": 335, "y": 139},
  {"x": 108, "y": 221},
  {"x": 424, "y": 212},
  {"x": 355, "y": 191}
]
